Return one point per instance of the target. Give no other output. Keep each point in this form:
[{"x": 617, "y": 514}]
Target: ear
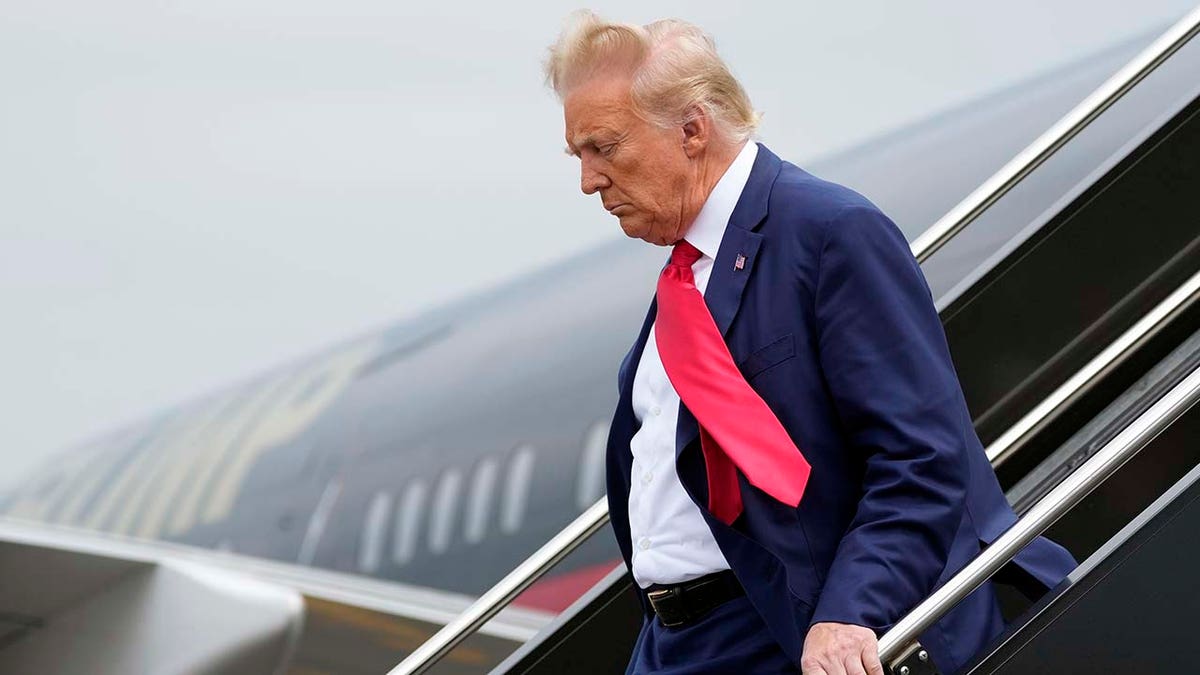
[{"x": 697, "y": 131}]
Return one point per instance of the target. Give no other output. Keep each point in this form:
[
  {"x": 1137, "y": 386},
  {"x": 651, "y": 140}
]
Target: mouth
[{"x": 613, "y": 209}]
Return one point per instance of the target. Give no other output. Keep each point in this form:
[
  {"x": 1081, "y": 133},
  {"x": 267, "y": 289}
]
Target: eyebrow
[
  {"x": 585, "y": 139},
  {"x": 574, "y": 144}
]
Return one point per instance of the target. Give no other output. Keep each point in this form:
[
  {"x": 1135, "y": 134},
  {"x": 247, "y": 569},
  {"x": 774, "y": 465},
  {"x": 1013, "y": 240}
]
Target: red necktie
[{"x": 736, "y": 426}]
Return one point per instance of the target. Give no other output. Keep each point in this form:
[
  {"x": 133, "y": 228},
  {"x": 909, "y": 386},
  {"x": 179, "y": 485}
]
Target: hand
[{"x": 840, "y": 649}]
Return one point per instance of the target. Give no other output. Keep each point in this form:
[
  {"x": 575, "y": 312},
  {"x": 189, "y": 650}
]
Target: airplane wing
[{"x": 73, "y": 601}]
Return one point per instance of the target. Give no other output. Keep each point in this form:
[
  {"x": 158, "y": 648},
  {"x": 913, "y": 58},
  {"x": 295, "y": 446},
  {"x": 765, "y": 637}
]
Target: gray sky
[{"x": 193, "y": 191}]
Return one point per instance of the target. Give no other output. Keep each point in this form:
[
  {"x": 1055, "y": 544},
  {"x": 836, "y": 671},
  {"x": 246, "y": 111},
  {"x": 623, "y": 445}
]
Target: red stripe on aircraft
[{"x": 556, "y": 593}]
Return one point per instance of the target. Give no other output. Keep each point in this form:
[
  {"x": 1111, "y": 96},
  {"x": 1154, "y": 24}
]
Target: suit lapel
[
  {"x": 625, "y": 424},
  {"x": 635, "y": 354},
  {"x": 739, "y": 245},
  {"x": 731, "y": 270}
]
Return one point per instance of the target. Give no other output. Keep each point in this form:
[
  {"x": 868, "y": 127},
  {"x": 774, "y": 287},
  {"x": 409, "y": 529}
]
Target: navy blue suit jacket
[{"x": 831, "y": 322}]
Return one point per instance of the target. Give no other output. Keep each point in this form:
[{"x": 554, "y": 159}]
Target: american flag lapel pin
[{"x": 740, "y": 262}]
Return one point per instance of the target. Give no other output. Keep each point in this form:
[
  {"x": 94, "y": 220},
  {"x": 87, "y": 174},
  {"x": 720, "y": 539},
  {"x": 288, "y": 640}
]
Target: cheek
[
  {"x": 647, "y": 190},
  {"x": 637, "y": 178}
]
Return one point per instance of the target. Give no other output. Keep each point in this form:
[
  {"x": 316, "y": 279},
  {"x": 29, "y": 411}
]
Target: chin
[{"x": 632, "y": 231}]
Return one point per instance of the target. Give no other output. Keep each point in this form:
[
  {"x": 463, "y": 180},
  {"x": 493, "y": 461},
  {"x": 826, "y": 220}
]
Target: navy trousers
[{"x": 731, "y": 638}]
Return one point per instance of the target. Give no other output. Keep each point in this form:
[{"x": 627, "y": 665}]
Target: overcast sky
[{"x": 191, "y": 192}]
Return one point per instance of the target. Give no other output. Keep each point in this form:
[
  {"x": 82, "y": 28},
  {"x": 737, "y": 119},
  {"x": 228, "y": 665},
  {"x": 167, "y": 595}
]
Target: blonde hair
[{"x": 675, "y": 69}]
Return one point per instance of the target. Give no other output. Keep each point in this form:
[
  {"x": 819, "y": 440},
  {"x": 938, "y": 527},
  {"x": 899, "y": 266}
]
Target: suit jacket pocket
[{"x": 770, "y": 355}]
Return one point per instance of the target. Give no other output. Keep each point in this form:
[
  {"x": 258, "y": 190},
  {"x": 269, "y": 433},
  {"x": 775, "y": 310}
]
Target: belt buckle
[{"x": 662, "y": 594}]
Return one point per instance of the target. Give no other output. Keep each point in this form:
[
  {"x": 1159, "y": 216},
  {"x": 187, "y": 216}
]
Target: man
[{"x": 791, "y": 466}]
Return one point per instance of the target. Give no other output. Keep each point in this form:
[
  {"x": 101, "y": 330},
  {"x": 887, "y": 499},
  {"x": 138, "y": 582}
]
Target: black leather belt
[{"x": 681, "y": 604}]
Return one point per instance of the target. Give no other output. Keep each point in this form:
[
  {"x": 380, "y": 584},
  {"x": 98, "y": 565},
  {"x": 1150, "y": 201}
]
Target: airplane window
[
  {"x": 408, "y": 521},
  {"x": 370, "y": 549},
  {"x": 516, "y": 489},
  {"x": 591, "y": 486},
  {"x": 483, "y": 486},
  {"x": 445, "y": 507}
]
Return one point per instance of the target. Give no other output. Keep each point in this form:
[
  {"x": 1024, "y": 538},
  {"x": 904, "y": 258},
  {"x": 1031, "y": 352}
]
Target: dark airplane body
[{"x": 445, "y": 449}]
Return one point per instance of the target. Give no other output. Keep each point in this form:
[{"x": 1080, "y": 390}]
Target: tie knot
[{"x": 684, "y": 254}]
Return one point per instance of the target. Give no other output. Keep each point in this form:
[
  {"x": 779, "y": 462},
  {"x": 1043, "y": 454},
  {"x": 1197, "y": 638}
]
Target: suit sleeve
[{"x": 884, "y": 355}]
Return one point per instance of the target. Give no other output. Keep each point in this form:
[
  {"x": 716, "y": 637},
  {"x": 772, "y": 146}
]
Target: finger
[
  {"x": 853, "y": 664},
  {"x": 870, "y": 659},
  {"x": 813, "y": 670}
]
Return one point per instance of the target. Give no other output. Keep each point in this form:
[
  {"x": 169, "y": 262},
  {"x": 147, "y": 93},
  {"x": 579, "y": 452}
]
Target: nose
[{"x": 591, "y": 180}]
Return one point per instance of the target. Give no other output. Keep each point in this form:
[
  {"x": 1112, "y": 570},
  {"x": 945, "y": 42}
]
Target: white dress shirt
[{"x": 671, "y": 540}]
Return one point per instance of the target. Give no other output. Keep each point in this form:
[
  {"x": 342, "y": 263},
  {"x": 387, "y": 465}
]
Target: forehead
[{"x": 601, "y": 103}]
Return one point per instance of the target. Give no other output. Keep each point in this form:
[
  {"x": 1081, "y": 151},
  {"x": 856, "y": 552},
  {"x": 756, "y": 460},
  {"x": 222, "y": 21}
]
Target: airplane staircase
[{"x": 1078, "y": 347}]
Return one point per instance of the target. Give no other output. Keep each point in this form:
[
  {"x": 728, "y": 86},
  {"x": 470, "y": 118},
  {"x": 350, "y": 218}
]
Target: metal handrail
[
  {"x": 1061, "y": 499},
  {"x": 925, "y": 245},
  {"x": 1056, "y": 136},
  {"x": 498, "y": 596},
  {"x": 1150, "y": 323}
]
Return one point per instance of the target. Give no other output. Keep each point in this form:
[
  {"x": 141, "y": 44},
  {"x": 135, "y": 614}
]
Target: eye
[{"x": 607, "y": 149}]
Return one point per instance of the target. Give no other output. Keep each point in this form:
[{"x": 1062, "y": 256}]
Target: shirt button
[
  {"x": 644, "y": 543},
  {"x": 647, "y": 477},
  {"x": 656, "y": 410}
]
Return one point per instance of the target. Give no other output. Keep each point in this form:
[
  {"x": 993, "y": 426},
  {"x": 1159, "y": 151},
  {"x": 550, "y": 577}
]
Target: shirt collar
[{"x": 708, "y": 229}]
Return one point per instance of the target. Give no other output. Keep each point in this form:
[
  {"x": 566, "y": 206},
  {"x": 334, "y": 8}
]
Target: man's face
[{"x": 641, "y": 171}]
